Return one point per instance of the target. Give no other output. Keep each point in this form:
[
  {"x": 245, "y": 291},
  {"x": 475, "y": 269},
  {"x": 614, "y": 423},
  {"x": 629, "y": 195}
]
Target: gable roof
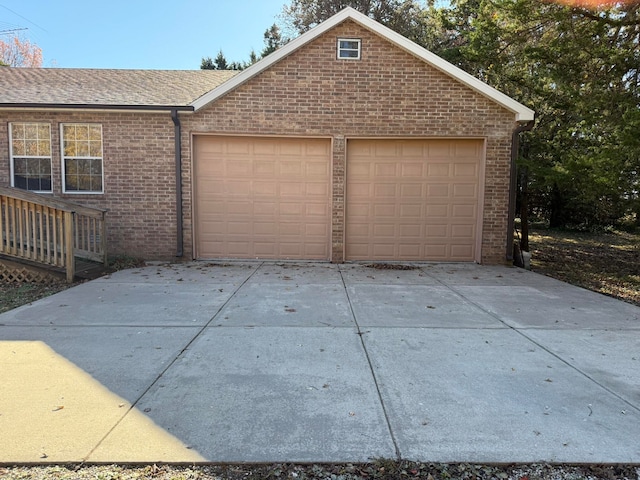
[
  {"x": 522, "y": 113},
  {"x": 102, "y": 88}
]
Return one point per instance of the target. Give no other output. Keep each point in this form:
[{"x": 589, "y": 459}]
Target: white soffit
[{"x": 521, "y": 112}]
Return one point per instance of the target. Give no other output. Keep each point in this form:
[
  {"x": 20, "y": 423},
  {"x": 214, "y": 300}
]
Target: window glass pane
[
  {"x": 68, "y": 132},
  {"x": 32, "y": 148},
  {"x": 96, "y": 167},
  {"x": 82, "y": 132},
  {"x": 19, "y": 147},
  {"x": 82, "y": 149},
  {"x": 32, "y": 173},
  {"x": 69, "y": 148},
  {"x": 31, "y": 131},
  {"x": 95, "y": 149},
  {"x": 95, "y": 133},
  {"x": 44, "y": 132},
  {"x": 348, "y": 54},
  {"x": 350, "y": 44},
  {"x": 44, "y": 148},
  {"x": 17, "y": 131}
]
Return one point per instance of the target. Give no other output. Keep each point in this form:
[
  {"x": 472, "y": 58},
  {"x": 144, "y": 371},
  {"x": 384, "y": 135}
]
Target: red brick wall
[
  {"x": 388, "y": 93},
  {"x": 139, "y": 178}
]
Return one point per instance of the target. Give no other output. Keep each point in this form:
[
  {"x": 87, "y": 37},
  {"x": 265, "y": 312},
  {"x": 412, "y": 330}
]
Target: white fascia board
[{"x": 521, "y": 112}]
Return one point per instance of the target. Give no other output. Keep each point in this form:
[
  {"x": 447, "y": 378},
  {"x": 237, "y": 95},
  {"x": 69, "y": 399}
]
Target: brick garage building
[{"x": 348, "y": 143}]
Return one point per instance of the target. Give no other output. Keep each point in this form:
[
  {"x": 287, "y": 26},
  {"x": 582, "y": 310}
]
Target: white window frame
[
  {"x": 41, "y": 157},
  {"x": 342, "y": 49},
  {"x": 64, "y": 157}
]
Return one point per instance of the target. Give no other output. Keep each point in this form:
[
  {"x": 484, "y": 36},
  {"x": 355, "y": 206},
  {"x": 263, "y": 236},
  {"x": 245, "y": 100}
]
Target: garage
[
  {"x": 413, "y": 200},
  {"x": 262, "y": 197}
]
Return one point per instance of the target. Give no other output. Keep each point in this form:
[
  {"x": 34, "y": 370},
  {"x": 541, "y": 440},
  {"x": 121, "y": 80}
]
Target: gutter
[
  {"x": 178, "y": 160},
  {"x": 515, "y": 147},
  {"x": 94, "y": 106}
]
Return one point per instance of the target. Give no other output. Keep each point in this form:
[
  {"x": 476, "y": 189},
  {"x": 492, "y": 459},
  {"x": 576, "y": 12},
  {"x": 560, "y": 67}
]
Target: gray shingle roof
[{"x": 65, "y": 86}]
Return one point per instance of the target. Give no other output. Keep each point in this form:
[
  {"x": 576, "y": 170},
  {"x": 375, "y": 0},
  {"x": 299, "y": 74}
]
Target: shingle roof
[{"x": 139, "y": 88}]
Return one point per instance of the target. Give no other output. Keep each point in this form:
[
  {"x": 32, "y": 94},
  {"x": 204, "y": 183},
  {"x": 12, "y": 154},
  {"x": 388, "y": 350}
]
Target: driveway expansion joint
[{"x": 361, "y": 335}]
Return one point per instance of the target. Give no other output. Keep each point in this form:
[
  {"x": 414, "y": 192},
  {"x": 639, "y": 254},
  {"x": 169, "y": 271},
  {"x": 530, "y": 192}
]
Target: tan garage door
[
  {"x": 262, "y": 197},
  {"x": 412, "y": 199}
]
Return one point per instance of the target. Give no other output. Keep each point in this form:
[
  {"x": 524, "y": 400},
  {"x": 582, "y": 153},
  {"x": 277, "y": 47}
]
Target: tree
[
  {"x": 272, "y": 40},
  {"x": 220, "y": 63},
  {"x": 404, "y": 16},
  {"x": 18, "y": 52},
  {"x": 578, "y": 68}
]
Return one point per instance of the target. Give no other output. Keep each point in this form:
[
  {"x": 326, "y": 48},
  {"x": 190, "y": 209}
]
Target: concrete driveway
[{"x": 268, "y": 362}]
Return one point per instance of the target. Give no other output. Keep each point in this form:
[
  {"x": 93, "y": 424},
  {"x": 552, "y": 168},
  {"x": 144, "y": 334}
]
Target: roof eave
[
  {"x": 95, "y": 107},
  {"x": 522, "y": 113}
]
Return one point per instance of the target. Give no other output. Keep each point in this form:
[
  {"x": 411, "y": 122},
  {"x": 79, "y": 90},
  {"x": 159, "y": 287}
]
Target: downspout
[
  {"x": 513, "y": 183},
  {"x": 178, "y": 158}
]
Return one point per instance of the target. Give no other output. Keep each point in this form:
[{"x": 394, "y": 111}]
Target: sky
[{"x": 160, "y": 34}]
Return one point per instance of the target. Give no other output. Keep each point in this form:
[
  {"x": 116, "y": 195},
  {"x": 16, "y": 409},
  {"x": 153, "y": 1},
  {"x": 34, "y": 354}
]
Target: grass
[
  {"x": 13, "y": 295},
  {"x": 607, "y": 263}
]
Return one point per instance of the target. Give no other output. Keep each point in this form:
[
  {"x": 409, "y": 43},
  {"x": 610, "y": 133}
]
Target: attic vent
[{"x": 349, "y": 48}]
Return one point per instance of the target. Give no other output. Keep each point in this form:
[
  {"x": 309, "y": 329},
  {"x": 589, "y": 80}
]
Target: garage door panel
[
  {"x": 264, "y": 168},
  {"x": 262, "y": 197},
  {"x": 436, "y": 190},
  {"x": 412, "y": 199},
  {"x": 437, "y": 212},
  {"x": 465, "y": 170},
  {"x": 463, "y": 211},
  {"x": 465, "y": 191},
  {"x": 412, "y": 190},
  {"x": 413, "y": 212},
  {"x": 238, "y": 148},
  {"x": 435, "y": 170}
]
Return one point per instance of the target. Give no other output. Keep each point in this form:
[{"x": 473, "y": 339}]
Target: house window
[
  {"x": 82, "y": 158},
  {"x": 349, "y": 48},
  {"x": 30, "y": 146}
]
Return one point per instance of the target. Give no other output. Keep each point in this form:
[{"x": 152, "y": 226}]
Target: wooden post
[
  {"x": 70, "y": 262},
  {"x": 103, "y": 238}
]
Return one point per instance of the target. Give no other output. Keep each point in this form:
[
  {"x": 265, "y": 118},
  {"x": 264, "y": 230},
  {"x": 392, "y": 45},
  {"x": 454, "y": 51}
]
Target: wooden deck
[{"x": 51, "y": 232}]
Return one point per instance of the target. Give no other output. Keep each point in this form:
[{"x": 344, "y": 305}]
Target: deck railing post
[
  {"x": 70, "y": 263},
  {"x": 103, "y": 239}
]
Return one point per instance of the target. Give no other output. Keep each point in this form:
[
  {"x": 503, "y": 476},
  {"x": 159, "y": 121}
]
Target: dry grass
[{"x": 608, "y": 263}]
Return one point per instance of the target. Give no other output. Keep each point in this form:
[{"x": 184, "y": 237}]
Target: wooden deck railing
[{"x": 49, "y": 230}]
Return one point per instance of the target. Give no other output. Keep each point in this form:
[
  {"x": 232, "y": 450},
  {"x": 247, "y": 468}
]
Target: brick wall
[
  {"x": 388, "y": 93},
  {"x": 139, "y": 178}
]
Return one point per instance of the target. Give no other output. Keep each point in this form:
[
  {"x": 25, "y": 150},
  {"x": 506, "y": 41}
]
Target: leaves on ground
[{"x": 608, "y": 263}]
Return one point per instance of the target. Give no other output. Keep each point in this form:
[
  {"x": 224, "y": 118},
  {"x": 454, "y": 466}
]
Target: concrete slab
[
  {"x": 358, "y": 273},
  {"x": 415, "y": 306},
  {"x": 471, "y": 364},
  {"x": 287, "y": 304},
  {"x": 53, "y": 411},
  {"x": 270, "y": 395},
  {"x": 125, "y": 360},
  {"x": 611, "y": 358},
  {"x": 126, "y": 304},
  {"x": 492, "y": 396},
  {"x": 234, "y": 273},
  {"x": 498, "y": 275},
  {"x": 297, "y": 273},
  {"x": 565, "y": 306}
]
